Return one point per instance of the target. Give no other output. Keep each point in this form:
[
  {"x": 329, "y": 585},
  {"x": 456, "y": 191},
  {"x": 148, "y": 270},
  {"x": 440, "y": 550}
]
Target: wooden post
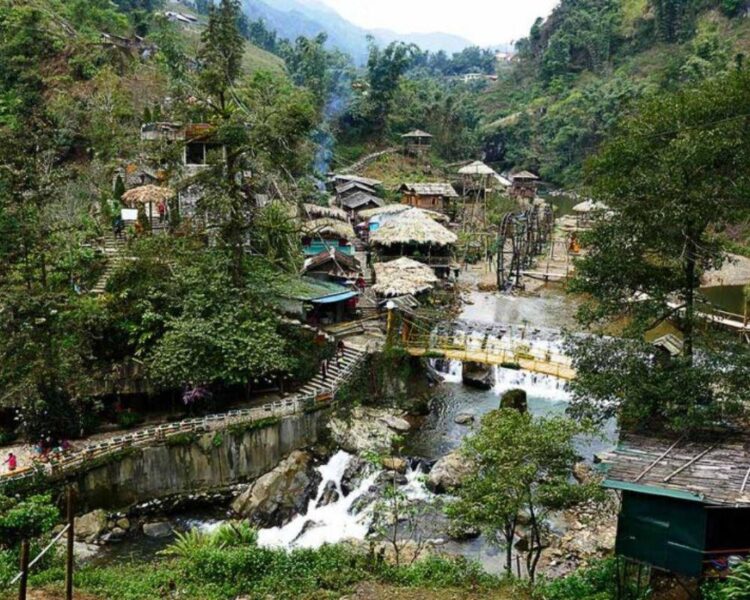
[
  {"x": 24, "y": 569},
  {"x": 71, "y": 539}
]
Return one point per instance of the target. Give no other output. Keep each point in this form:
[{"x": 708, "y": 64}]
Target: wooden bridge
[{"x": 496, "y": 351}]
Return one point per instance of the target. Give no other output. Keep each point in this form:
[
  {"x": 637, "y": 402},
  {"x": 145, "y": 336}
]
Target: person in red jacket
[{"x": 11, "y": 461}]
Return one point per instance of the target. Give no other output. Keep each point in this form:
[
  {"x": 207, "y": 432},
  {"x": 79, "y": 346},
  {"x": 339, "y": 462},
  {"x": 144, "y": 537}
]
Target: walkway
[
  {"x": 319, "y": 392},
  {"x": 113, "y": 252}
]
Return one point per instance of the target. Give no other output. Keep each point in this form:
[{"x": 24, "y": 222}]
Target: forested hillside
[{"x": 582, "y": 68}]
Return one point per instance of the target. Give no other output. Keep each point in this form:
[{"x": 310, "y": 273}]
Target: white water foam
[
  {"x": 540, "y": 386},
  {"x": 336, "y": 521}
]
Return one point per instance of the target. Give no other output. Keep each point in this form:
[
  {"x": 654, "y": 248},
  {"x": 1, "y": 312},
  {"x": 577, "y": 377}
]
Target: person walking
[
  {"x": 339, "y": 353},
  {"x": 12, "y": 462},
  {"x": 162, "y": 210}
]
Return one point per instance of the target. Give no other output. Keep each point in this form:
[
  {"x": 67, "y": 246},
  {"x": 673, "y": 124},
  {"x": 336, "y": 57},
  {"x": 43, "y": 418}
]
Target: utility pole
[
  {"x": 70, "y": 540},
  {"x": 24, "y": 570}
]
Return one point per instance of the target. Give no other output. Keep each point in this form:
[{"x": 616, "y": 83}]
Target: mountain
[{"x": 293, "y": 18}]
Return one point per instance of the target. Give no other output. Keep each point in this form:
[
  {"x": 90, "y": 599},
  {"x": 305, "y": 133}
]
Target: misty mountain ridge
[{"x": 293, "y": 18}]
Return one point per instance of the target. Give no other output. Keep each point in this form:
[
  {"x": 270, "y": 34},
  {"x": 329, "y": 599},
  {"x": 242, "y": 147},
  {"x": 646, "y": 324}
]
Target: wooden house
[
  {"x": 317, "y": 302},
  {"x": 685, "y": 503},
  {"x": 352, "y": 187},
  {"x": 319, "y": 235},
  {"x": 332, "y": 265},
  {"x": 524, "y": 185},
  {"x": 430, "y": 196},
  {"x": 417, "y": 142},
  {"x": 355, "y": 203}
]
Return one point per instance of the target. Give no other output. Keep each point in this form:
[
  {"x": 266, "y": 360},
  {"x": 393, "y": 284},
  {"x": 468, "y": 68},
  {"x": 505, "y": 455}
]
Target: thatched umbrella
[
  {"x": 413, "y": 226},
  {"x": 403, "y": 276},
  {"x": 477, "y": 168},
  {"x": 145, "y": 194}
]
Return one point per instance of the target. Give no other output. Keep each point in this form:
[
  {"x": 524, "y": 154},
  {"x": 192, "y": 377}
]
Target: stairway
[
  {"x": 337, "y": 374},
  {"x": 113, "y": 252}
]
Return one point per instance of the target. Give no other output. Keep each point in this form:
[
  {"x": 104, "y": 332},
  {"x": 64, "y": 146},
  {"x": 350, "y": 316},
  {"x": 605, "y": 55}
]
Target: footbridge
[{"x": 524, "y": 348}]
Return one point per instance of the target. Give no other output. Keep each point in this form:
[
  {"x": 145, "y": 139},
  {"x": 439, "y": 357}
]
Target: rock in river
[
  {"x": 464, "y": 419},
  {"x": 91, "y": 525},
  {"x": 478, "y": 376},
  {"x": 281, "y": 493},
  {"x": 449, "y": 472},
  {"x": 368, "y": 429}
]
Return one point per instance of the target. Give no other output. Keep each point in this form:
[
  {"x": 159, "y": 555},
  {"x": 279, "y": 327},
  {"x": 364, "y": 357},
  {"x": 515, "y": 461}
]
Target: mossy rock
[{"x": 515, "y": 399}]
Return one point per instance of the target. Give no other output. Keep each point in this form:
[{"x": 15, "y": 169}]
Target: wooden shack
[
  {"x": 332, "y": 265},
  {"x": 355, "y": 203},
  {"x": 417, "y": 142},
  {"x": 430, "y": 196},
  {"x": 685, "y": 503},
  {"x": 524, "y": 185}
]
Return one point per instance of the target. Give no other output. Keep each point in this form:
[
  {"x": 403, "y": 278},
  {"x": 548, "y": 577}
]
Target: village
[{"x": 291, "y": 312}]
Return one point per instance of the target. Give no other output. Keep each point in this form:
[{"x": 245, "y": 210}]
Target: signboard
[{"x": 129, "y": 214}]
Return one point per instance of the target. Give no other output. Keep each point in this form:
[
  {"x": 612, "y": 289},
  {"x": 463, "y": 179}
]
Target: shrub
[{"x": 129, "y": 419}]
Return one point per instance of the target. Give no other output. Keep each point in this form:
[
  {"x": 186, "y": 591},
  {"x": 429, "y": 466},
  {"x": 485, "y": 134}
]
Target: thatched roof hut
[
  {"x": 524, "y": 176},
  {"x": 477, "y": 168},
  {"x": 315, "y": 211},
  {"x": 360, "y": 200},
  {"x": 413, "y": 226},
  {"x": 417, "y": 134},
  {"x": 395, "y": 209},
  {"x": 147, "y": 194},
  {"x": 403, "y": 276},
  {"x": 332, "y": 263},
  {"x": 444, "y": 190},
  {"x": 590, "y": 206},
  {"x": 327, "y": 227}
]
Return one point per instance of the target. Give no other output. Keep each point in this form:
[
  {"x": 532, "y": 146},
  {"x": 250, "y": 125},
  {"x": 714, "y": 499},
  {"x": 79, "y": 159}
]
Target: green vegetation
[
  {"x": 585, "y": 65},
  {"x": 520, "y": 465},
  {"x": 673, "y": 176},
  {"x": 243, "y": 428}
]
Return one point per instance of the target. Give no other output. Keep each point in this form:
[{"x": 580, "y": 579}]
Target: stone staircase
[
  {"x": 113, "y": 251},
  {"x": 337, "y": 374}
]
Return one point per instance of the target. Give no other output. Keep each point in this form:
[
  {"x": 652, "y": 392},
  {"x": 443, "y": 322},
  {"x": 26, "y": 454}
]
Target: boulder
[
  {"x": 123, "y": 523},
  {"x": 368, "y": 430},
  {"x": 394, "y": 463},
  {"x": 478, "y": 376},
  {"x": 515, "y": 399},
  {"x": 281, "y": 493},
  {"x": 83, "y": 552},
  {"x": 464, "y": 419},
  {"x": 91, "y": 525},
  {"x": 330, "y": 495},
  {"x": 582, "y": 472},
  {"x": 449, "y": 472},
  {"x": 157, "y": 529},
  {"x": 353, "y": 474}
]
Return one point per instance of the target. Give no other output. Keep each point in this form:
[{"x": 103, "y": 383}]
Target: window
[{"x": 195, "y": 153}]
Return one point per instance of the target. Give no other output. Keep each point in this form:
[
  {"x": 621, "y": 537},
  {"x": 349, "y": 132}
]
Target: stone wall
[{"x": 196, "y": 463}]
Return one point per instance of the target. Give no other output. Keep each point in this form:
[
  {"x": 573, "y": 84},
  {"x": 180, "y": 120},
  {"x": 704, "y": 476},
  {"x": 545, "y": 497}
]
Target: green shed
[{"x": 685, "y": 504}]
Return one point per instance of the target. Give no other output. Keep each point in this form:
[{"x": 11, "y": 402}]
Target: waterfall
[
  {"x": 340, "y": 520},
  {"x": 450, "y": 371},
  {"x": 541, "y": 386}
]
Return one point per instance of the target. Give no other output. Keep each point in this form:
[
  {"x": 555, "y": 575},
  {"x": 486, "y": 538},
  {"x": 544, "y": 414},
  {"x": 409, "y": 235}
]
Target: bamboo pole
[{"x": 24, "y": 570}]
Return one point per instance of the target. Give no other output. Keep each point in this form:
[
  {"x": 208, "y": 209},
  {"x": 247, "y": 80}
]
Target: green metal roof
[
  {"x": 308, "y": 289},
  {"x": 651, "y": 490}
]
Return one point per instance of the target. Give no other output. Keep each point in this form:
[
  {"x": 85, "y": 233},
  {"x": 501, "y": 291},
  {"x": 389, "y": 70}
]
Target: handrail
[
  {"x": 41, "y": 554},
  {"x": 144, "y": 437}
]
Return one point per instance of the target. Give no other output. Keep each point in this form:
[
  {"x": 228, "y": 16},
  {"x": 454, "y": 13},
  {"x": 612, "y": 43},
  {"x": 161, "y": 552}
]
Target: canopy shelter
[
  {"x": 403, "y": 276},
  {"x": 417, "y": 142},
  {"x": 326, "y": 233},
  {"x": 316, "y": 301},
  {"x": 589, "y": 210},
  {"x": 148, "y": 198},
  {"x": 332, "y": 265},
  {"x": 685, "y": 502},
  {"x": 524, "y": 185}
]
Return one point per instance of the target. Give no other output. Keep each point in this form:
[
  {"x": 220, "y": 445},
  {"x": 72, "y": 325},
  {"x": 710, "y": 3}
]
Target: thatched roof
[
  {"x": 590, "y": 206},
  {"x": 417, "y": 133},
  {"x": 328, "y": 227},
  {"x": 524, "y": 176},
  {"x": 359, "y": 199},
  {"x": 403, "y": 276},
  {"x": 413, "y": 226},
  {"x": 315, "y": 211},
  {"x": 394, "y": 209},
  {"x": 430, "y": 189},
  {"x": 147, "y": 193},
  {"x": 477, "y": 168},
  {"x": 388, "y": 209}
]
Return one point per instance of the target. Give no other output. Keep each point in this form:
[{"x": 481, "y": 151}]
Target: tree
[
  {"x": 222, "y": 46},
  {"x": 521, "y": 465},
  {"x": 385, "y": 67},
  {"x": 673, "y": 176},
  {"x": 25, "y": 519}
]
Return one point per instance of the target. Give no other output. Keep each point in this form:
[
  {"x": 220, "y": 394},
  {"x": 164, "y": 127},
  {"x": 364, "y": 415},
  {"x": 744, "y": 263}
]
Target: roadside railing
[{"x": 149, "y": 436}]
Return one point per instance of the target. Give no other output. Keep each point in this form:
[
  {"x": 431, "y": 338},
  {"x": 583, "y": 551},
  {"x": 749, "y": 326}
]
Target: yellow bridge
[{"x": 490, "y": 352}]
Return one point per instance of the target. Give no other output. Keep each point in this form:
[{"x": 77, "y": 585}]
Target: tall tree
[{"x": 673, "y": 176}]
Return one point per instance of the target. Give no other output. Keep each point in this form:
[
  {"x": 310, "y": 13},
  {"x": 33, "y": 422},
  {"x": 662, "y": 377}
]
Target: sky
[{"x": 484, "y": 22}]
